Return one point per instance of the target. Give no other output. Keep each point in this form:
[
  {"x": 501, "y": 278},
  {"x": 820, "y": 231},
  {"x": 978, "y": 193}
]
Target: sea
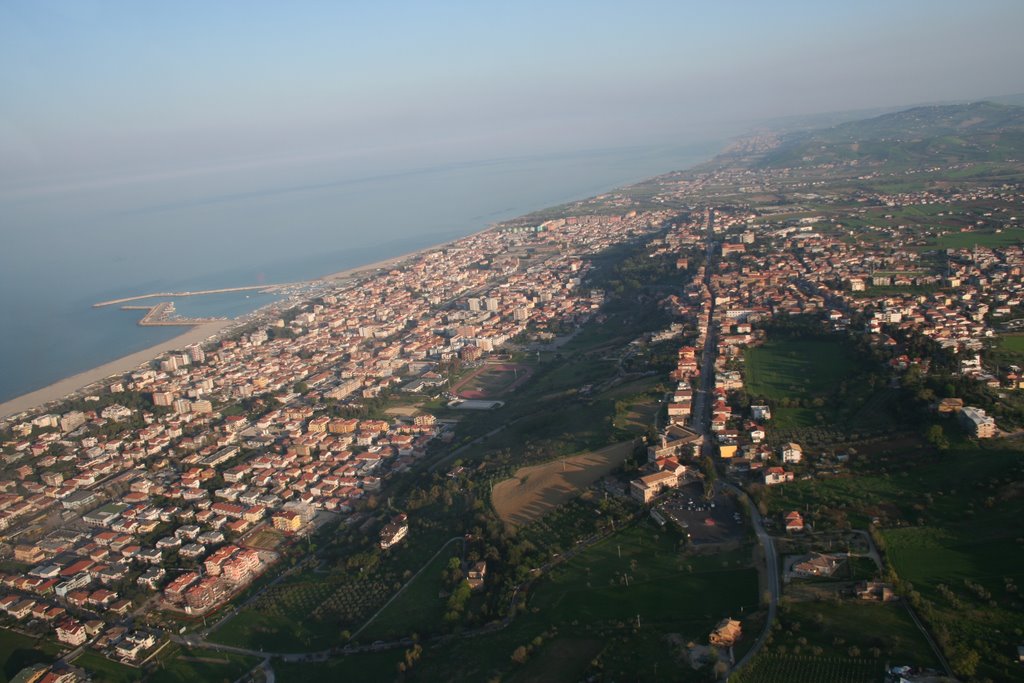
[{"x": 68, "y": 248}]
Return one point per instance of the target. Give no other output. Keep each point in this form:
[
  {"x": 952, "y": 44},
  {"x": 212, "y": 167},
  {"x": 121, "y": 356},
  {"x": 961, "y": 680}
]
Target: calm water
[{"x": 65, "y": 251}]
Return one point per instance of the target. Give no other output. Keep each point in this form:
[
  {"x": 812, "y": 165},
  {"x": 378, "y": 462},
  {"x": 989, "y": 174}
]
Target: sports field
[{"x": 491, "y": 381}]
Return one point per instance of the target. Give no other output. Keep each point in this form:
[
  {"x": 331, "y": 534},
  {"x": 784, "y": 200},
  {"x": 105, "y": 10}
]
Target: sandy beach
[{"x": 70, "y": 385}]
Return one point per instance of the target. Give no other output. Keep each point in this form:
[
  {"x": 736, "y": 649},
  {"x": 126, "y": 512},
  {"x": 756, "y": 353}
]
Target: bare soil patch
[{"x": 534, "y": 491}]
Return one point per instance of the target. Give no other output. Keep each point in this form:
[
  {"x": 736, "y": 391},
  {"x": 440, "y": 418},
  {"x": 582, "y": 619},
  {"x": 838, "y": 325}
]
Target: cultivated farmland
[{"x": 535, "y": 491}]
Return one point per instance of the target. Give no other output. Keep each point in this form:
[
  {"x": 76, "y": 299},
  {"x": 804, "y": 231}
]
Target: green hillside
[{"x": 938, "y": 135}]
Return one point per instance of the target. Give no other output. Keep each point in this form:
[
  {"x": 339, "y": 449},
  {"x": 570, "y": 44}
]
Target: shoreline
[
  {"x": 63, "y": 388},
  {"x": 73, "y": 384},
  {"x": 371, "y": 268}
]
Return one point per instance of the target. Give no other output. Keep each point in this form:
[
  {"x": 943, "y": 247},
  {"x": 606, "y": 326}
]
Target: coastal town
[
  {"x": 162, "y": 501},
  {"x": 103, "y": 497}
]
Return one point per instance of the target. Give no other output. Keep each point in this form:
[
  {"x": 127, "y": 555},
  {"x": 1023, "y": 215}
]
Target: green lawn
[
  {"x": 186, "y": 665},
  {"x": 103, "y": 669},
  {"x": 797, "y": 368},
  {"x": 987, "y": 238},
  {"x": 18, "y": 651},
  {"x": 1012, "y": 342}
]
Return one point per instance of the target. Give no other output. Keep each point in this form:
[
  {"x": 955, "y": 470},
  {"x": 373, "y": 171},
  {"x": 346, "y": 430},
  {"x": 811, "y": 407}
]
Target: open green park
[
  {"x": 815, "y": 383},
  {"x": 1014, "y": 343}
]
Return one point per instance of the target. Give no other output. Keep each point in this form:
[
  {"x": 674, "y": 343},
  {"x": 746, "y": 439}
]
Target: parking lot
[{"x": 716, "y": 521}]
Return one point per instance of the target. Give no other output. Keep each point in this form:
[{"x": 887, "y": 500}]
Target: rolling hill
[{"x": 981, "y": 131}]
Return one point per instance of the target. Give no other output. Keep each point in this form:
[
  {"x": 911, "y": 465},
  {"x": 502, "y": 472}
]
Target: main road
[{"x": 703, "y": 402}]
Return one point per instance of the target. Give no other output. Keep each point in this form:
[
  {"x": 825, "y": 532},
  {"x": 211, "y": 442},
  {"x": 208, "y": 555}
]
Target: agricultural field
[
  {"x": 831, "y": 640},
  {"x": 578, "y": 519},
  {"x": 789, "y": 668},
  {"x": 637, "y": 405},
  {"x": 560, "y": 661},
  {"x": 419, "y": 608},
  {"x": 625, "y": 574},
  {"x": 582, "y": 619},
  {"x": 306, "y": 614},
  {"x": 311, "y": 610},
  {"x": 950, "y": 531},
  {"x": 851, "y": 629},
  {"x": 982, "y": 238},
  {"x": 535, "y": 491}
]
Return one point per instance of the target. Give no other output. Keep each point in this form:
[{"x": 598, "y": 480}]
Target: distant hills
[{"x": 980, "y": 131}]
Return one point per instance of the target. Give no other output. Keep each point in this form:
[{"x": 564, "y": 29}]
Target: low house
[
  {"x": 726, "y": 633},
  {"x": 394, "y": 532},
  {"x": 776, "y": 475},
  {"x": 792, "y": 453},
  {"x": 71, "y": 632},
  {"x": 818, "y": 565},
  {"x": 794, "y": 522},
  {"x": 875, "y": 590},
  {"x": 476, "y": 574}
]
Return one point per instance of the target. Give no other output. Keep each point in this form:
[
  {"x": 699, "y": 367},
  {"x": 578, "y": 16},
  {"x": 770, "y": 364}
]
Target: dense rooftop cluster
[{"x": 155, "y": 491}]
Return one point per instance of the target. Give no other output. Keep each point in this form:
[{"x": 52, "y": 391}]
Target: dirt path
[{"x": 534, "y": 491}]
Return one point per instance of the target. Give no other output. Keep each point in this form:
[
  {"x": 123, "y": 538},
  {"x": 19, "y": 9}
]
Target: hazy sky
[{"x": 94, "y": 89}]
